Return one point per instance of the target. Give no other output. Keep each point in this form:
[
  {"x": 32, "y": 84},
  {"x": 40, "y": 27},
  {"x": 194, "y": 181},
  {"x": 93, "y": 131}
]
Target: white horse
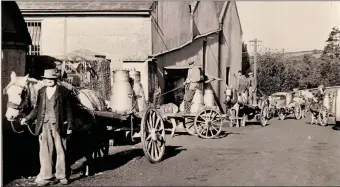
[
  {"x": 22, "y": 95},
  {"x": 233, "y": 102}
]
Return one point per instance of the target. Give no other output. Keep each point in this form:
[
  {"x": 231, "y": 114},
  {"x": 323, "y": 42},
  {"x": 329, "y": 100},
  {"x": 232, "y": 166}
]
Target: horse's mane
[{"x": 34, "y": 86}]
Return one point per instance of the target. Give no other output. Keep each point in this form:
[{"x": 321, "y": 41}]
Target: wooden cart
[
  {"x": 149, "y": 123},
  {"x": 206, "y": 123},
  {"x": 283, "y": 105}
]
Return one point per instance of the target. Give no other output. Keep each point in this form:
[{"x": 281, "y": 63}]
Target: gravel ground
[{"x": 289, "y": 152}]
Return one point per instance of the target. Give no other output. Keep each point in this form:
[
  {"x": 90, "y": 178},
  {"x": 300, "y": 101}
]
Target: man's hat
[
  {"x": 191, "y": 62},
  {"x": 50, "y": 74},
  {"x": 321, "y": 86}
]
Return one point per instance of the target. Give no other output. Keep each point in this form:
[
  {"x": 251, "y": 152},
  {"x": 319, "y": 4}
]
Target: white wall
[{"x": 119, "y": 38}]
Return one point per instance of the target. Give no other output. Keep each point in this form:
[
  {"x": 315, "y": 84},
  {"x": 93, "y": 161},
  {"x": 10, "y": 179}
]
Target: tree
[
  {"x": 245, "y": 59},
  {"x": 332, "y": 48}
]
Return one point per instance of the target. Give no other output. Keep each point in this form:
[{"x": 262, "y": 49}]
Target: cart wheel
[
  {"x": 190, "y": 126},
  {"x": 323, "y": 117},
  {"x": 208, "y": 123},
  {"x": 264, "y": 116},
  {"x": 153, "y": 135},
  {"x": 297, "y": 112},
  {"x": 282, "y": 115}
]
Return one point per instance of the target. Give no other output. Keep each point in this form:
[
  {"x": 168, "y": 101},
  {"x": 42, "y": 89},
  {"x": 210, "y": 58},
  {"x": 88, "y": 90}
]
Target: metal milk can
[
  {"x": 209, "y": 99},
  {"x": 197, "y": 102},
  {"x": 337, "y": 104},
  {"x": 121, "y": 94},
  {"x": 326, "y": 101},
  {"x": 333, "y": 102},
  {"x": 138, "y": 90}
]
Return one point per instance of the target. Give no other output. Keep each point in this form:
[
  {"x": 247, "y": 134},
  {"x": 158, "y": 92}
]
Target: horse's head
[
  {"x": 228, "y": 93},
  {"x": 19, "y": 97}
]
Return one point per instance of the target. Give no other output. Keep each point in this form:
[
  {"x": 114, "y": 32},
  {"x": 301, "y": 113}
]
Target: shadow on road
[
  {"x": 119, "y": 159},
  {"x": 225, "y": 134},
  {"x": 20, "y": 156}
]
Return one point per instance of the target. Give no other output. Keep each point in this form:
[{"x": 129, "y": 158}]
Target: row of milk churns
[
  {"x": 201, "y": 100},
  {"x": 127, "y": 91}
]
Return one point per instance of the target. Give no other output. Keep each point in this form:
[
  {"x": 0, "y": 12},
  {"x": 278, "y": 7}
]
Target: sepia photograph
[{"x": 170, "y": 93}]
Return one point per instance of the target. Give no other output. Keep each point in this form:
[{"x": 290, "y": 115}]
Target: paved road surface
[{"x": 286, "y": 152}]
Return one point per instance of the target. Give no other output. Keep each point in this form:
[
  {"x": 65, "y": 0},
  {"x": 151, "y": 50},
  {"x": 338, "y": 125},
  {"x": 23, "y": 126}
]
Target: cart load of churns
[{"x": 129, "y": 111}]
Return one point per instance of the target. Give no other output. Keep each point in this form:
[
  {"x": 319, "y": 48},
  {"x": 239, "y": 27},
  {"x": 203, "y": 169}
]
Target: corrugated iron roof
[
  {"x": 219, "y": 7},
  {"x": 84, "y": 5}
]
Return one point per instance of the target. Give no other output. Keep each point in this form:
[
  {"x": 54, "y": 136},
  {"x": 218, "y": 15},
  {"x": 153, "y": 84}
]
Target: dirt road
[{"x": 289, "y": 152}]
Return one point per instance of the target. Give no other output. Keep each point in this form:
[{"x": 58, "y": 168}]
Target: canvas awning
[{"x": 179, "y": 67}]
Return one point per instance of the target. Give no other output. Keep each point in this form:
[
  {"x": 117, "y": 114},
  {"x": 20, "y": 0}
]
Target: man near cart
[
  {"x": 320, "y": 93},
  {"x": 192, "y": 84},
  {"x": 242, "y": 88},
  {"x": 54, "y": 124},
  {"x": 251, "y": 89}
]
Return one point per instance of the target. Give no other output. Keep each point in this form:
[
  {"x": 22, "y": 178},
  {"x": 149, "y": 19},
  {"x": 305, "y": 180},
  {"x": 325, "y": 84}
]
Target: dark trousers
[{"x": 188, "y": 96}]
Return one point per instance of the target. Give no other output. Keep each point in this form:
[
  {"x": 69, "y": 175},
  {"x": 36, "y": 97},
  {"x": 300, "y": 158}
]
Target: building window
[
  {"x": 227, "y": 74},
  {"x": 34, "y": 28}
]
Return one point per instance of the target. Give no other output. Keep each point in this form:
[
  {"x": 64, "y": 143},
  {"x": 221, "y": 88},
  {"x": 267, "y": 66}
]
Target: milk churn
[
  {"x": 138, "y": 89},
  {"x": 121, "y": 93},
  {"x": 333, "y": 102},
  {"x": 337, "y": 104},
  {"x": 326, "y": 101},
  {"x": 197, "y": 101},
  {"x": 209, "y": 99}
]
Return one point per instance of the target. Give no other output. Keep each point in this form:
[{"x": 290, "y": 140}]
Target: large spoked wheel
[
  {"x": 297, "y": 112},
  {"x": 153, "y": 135},
  {"x": 208, "y": 123},
  {"x": 323, "y": 117},
  {"x": 101, "y": 145},
  {"x": 101, "y": 150},
  {"x": 190, "y": 126},
  {"x": 264, "y": 116}
]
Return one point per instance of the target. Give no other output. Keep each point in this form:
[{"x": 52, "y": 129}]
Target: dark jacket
[{"x": 62, "y": 107}]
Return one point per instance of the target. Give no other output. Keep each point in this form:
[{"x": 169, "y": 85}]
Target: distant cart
[{"x": 282, "y": 105}]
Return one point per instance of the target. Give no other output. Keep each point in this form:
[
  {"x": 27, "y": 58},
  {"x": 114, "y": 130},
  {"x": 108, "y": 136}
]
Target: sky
[{"x": 288, "y": 25}]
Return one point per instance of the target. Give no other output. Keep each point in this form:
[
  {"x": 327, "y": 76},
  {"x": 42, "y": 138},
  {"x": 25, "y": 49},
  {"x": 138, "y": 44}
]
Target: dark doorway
[
  {"x": 227, "y": 75},
  {"x": 174, "y": 78}
]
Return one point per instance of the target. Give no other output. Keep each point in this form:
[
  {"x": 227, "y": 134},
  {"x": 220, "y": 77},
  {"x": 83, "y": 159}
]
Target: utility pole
[{"x": 255, "y": 43}]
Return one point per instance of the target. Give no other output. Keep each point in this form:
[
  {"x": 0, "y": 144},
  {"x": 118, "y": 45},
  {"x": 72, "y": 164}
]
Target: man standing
[
  {"x": 54, "y": 124},
  {"x": 251, "y": 89},
  {"x": 242, "y": 87},
  {"x": 192, "y": 84},
  {"x": 320, "y": 93}
]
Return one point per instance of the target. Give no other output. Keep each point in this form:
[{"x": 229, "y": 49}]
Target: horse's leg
[
  {"x": 237, "y": 108},
  {"x": 89, "y": 163},
  {"x": 312, "y": 116},
  {"x": 232, "y": 117}
]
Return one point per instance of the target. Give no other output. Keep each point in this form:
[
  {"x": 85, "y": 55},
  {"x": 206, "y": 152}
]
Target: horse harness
[{"x": 25, "y": 104}]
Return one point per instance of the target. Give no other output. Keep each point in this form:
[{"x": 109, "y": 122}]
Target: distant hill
[{"x": 315, "y": 53}]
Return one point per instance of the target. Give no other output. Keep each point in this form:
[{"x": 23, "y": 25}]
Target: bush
[{"x": 276, "y": 72}]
